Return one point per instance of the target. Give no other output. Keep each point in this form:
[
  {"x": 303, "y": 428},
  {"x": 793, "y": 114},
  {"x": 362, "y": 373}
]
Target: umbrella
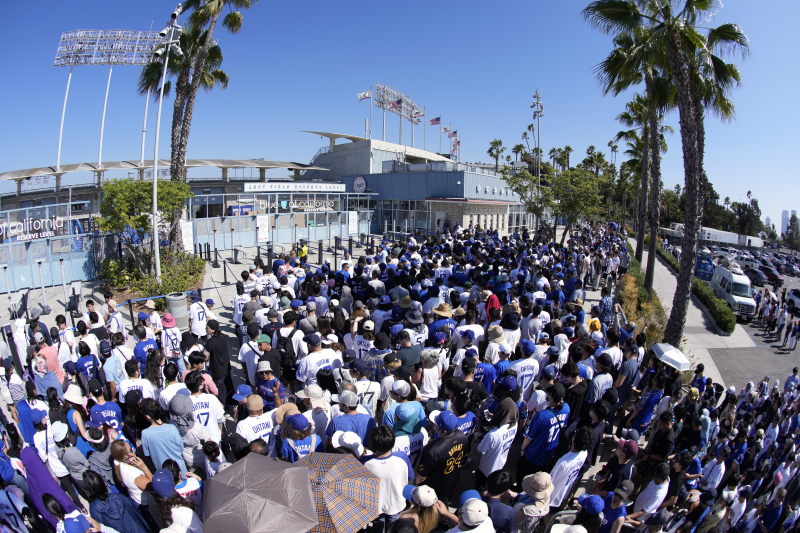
[
  {"x": 671, "y": 356},
  {"x": 345, "y": 493},
  {"x": 259, "y": 495}
]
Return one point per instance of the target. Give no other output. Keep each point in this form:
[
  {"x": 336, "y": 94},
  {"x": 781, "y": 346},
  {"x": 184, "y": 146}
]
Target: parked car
[
  {"x": 773, "y": 275},
  {"x": 793, "y": 300},
  {"x": 733, "y": 287},
  {"x": 756, "y": 277}
]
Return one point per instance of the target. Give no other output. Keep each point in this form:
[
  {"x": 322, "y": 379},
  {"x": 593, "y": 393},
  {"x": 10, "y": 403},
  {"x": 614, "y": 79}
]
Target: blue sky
[{"x": 298, "y": 66}]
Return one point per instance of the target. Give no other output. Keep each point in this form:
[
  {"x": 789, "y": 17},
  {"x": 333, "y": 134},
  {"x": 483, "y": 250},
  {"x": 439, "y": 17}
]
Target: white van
[{"x": 734, "y": 287}]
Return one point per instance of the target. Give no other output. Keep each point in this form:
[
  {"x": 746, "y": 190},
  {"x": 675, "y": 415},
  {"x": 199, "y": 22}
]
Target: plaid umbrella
[{"x": 345, "y": 493}]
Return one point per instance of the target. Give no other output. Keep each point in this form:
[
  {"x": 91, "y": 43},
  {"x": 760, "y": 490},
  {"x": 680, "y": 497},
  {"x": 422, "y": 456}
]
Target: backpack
[{"x": 286, "y": 349}]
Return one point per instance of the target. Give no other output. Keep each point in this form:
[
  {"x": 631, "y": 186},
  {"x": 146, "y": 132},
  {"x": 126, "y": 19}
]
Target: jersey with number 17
[
  {"x": 543, "y": 432},
  {"x": 368, "y": 394},
  {"x": 208, "y": 413},
  {"x": 199, "y": 315}
]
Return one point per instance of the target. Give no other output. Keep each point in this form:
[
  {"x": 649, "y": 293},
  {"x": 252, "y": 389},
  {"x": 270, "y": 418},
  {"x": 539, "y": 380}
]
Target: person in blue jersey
[
  {"x": 543, "y": 433},
  {"x": 299, "y": 439},
  {"x": 486, "y": 373}
]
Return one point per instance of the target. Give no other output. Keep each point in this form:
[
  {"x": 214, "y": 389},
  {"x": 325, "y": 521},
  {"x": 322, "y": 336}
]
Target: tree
[
  {"x": 536, "y": 199},
  {"x": 702, "y": 82},
  {"x": 553, "y": 156},
  {"x": 126, "y": 210},
  {"x": 575, "y": 195},
  {"x": 792, "y": 237},
  {"x": 517, "y": 150},
  {"x": 495, "y": 151},
  {"x": 193, "y": 75},
  {"x": 624, "y": 188},
  {"x": 567, "y": 150}
]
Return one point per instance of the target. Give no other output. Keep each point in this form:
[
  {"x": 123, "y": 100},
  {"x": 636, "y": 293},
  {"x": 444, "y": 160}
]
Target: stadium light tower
[{"x": 174, "y": 30}]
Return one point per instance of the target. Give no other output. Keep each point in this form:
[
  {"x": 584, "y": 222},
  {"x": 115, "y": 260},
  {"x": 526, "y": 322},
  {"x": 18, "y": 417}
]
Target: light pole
[
  {"x": 538, "y": 112},
  {"x": 173, "y": 29}
]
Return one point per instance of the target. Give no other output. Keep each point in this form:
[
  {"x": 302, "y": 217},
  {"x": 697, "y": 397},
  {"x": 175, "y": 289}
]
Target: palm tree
[
  {"x": 567, "y": 150},
  {"x": 496, "y": 150},
  {"x": 553, "y": 153},
  {"x": 518, "y": 149},
  {"x": 727, "y": 202},
  {"x": 526, "y": 139},
  {"x": 624, "y": 186},
  {"x": 702, "y": 81}
]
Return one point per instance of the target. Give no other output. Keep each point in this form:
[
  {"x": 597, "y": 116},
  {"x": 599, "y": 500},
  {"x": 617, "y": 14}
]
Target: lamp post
[
  {"x": 538, "y": 112},
  {"x": 173, "y": 30}
]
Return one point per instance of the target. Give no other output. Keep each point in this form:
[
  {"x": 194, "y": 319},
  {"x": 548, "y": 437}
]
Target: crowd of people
[{"x": 462, "y": 370}]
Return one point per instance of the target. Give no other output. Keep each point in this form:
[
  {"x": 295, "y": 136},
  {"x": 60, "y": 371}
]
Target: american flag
[
  {"x": 453, "y": 133},
  {"x": 396, "y": 105},
  {"x": 436, "y": 121}
]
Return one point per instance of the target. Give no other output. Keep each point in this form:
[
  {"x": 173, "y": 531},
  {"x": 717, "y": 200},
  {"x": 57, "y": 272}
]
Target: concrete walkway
[{"x": 700, "y": 334}]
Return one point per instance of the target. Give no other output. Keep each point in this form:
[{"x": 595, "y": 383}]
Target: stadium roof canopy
[{"x": 148, "y": 164}]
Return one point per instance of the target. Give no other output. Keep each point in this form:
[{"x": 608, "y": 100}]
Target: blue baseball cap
[
  {"x": 142, "y": 316},
  {"x": 37, "y": 415},
  {"x": 385, "y": 300},
  {"x": 359, "y": 365},
  {"x": 163, "y": 483},
  {"x": 469, "y": 335},
  {"x": 296, "y": 303},
  {"x": 549, "y": 372},
  {"x": 467, "y": 496},
  {"x": 472, "y": 352},
  {"x": 242, "y": 392},
  {"x": 528, "y": 347},
  {"x": 508, "y": 383},
  {"x": 446, "y": 420},
  {"x": 439, "y": 337},
  {"x": 591, "y": 504}
]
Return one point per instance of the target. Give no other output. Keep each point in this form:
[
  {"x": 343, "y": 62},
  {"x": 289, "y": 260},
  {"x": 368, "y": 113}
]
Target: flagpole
[
  {"x": 371, "y": 99},
  {"x": 401, "y": 121},
  {"x": 440, "y": 136},
  {"x": 424, "y": 129}
]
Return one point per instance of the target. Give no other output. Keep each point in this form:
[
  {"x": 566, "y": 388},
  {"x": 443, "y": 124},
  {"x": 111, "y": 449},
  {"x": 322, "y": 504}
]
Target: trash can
[{"x": 176, "y": 305}]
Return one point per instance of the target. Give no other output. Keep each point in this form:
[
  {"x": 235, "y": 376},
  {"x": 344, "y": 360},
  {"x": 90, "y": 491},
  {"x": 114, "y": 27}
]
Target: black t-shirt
[
  {"x": 661, "y": 443},
  {"x": 441, "y": 462},
  {"x": 219, "y": 361},
  {"x": 410, "y": 355},
  {"x": 574, "y": 398},
  {"x": 100, "y": 333},
  {"x": 476, "y": 392},
  {"x": 675, "y": 483},
  {"x": 617, "y": 473}
]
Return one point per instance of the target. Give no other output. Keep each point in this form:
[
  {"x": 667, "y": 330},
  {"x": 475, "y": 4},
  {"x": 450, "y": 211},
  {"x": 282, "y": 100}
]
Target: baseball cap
[
  {"x": 95, "y": 387},
  {"x": 142, "y": 315},
  {"x": 242, "y": 392},
  {"x": 60, "y": 430},
  {"x": 255, "y": 402},
  {"x": 661, "y": 518},
  {"x": 105, "y": 347},
  {"x": 544, "y": 335},
  {"x": 298, "y": 422},
  {"x": 605, "y": 359},
  {"x": 263, "y": 338},
  {"x": 133, "y": 396},
  {"x": 213, "y": 325},
  {"x": 96, "y": 419},
  {"x": 401, "y": 388},
  {"x": 312, "y": 340},
  {"x": 402, "y": 372},
  {"x": 508, "y": 383},
  {"x": 549, "y": 372},
  {"x": 444, "y": 419},
  {"x": 369, "y": 325},
  {"x": 625, "y": 489},
  {"x": 468, "y": 334},
  {"x": 629, "y": 447},
  {"x": 163, "y": 483},
  {"x": 38, "y": 337},
  {"x": 424, "y": 496},
  {"x": 591, "y": 504},
  {"x": 469, "y": 364},
  {"x": 468, "y": 495},
  {"x": 349, "y": 398},
  {"x": 348, "y": 440},
  {"x": 474, "y": 512},
  {"x": 359, "y": 365},
  {"x": 556, "y": 392}
]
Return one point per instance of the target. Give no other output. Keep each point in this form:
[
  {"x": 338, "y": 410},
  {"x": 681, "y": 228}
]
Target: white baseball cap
[
  {"x": 474, "y": 512},
  {"x": 349, "y": 440},
  {"x": 424, "y": 496}
]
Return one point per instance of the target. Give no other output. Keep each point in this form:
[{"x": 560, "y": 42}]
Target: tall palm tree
[
  {"x": 702, "y": 81},
  {"x": 517, "y": 150},
  {"x": 567, "y": 150},
  {"x": 553, "y": 153},
  {"x": 727, "y": 202},
  {"x": 526, "y": 138},
  {"x": 496, "y": 150},
  {"x": 624, "y": 186}
]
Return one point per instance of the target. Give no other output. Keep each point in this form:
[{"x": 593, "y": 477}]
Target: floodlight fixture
[{"x": 175, "y": 49}]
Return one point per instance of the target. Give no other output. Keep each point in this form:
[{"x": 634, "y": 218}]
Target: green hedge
[{"x": 723, "y": 315}]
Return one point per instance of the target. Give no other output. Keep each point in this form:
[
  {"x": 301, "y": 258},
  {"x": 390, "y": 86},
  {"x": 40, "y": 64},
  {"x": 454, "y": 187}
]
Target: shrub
[
  {"x": 723, "y": 315},
  {"x": 122, "y": 275},
  {"x": 669, "y": 258},
  {"x": 648, "y": 313}
]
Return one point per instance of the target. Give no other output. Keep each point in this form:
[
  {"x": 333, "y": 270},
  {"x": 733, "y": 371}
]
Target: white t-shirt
[
  {"x": 67, "y": 336},
  {"x": 395, "y": 473},
  {"x": 100, "y": 321},
  {"x": 300, "y": 348},
  {"x": 171, "y": 341},
  {"x": 136, "y": 384},
  {"x": 48, "y": 452},
  {"x": 155, "y": 321},
  {"x": 129, "y": 474},
  {"x": 115, "y": 323},
  {"x": 169, "y": 392},
  {"x": 64, "y": 353},
  {"x": 651, "y": 497},
  {"x": 493, "y": 351},
  {"x": 258, "y": 427},
  {"x": 198, "y": 313},
  {"x": 187, "y": 519},
  {"x": 239, "y": 301},
  {"x": 564, "y": 475},
  {"x": 494, "y": 448},
  {"x": 249, "y": 355},
  {"x": 368, "y": 394},
  {"x": 91, "y": 341},
  {"x": 192, "y": 489},
  {"x": 208, "y": 412}
]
